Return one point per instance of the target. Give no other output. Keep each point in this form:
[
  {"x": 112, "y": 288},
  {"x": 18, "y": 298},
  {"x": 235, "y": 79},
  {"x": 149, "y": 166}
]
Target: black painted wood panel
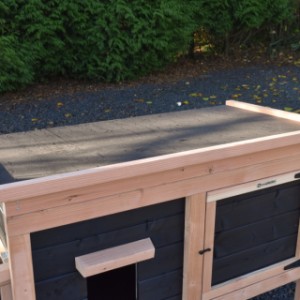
[
  {"x": 69, "y": 286},
  {"x": 253, "y": 259},
  {"x": 162, "y": 287},
  {"x": 167, "y": 259},
  {"x": 80, "y": 230},
  {"x": 163, "y": 223},
  {"x": 252, "y": 235},
  {"x": 237, "y": 211},
  {"x": 255, "y": 230},
  {"x": 162, "y": 232}
]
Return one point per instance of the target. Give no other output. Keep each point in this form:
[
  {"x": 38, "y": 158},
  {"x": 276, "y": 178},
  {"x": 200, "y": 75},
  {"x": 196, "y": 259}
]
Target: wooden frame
[
  {"x": 52, "y": 201},
  {"x": 194, "y": 242},
  {"x": 255, "y": 283}
]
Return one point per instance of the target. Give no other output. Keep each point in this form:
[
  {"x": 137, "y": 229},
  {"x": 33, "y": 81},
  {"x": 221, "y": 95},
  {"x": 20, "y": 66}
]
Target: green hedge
[
  {"x": 241, "y": 22},
  {"x": 110, "y": 40},
  {"x": 116, "y": 40}
]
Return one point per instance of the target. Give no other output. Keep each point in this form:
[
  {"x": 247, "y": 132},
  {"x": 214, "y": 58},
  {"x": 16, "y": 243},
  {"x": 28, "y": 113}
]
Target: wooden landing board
[
  {"x": 113, "y": 258},
  {"x": 58, "y": 150}
]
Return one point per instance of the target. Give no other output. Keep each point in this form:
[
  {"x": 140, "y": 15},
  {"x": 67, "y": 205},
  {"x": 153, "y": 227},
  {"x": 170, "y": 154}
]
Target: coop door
[
  {"x": 111, "y": 273},
  {"x": 253, "y": 236},
  {"x": 113, "y": 285}
]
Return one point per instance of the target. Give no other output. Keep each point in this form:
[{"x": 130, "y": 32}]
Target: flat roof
[{"x": 40, "y": 153}]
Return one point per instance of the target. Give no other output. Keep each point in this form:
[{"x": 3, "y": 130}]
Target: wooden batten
[
  {"x": 6, "y": 292},
  {"x": 4, "y": 274},
  {"x": 113, "y": 258},
  {"x": 250, "y": 186},
  {"x": 57, "y": 183},
  {"x": 62, "y": 215},
  {"x": 264, "y": 110},
  {"x": 20, "y": 267},
  {"x": 69, "y": 197},
  {"x": 209, "y": 244},
  {"x": 194, "y": 242},
  {"x": 262, "y": 286},
  {"x": 245, "y": 281}
]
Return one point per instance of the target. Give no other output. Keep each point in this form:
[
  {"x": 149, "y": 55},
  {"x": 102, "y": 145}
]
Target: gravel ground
[
  {"x": 269, "y": 86},
  {"x": 274, "y": 86}
]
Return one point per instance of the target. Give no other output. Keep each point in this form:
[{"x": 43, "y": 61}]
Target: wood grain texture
[
  {"x": 74, "y": 180},
  {"x": 57, "y": 216},
  {"x": 261, "y": 286},
  {"x": 6, "y": 292},
  {"x": 209, "y": 244},
  {"x": 72, "y": 148},
  {"x": 297, "y": 291},
  {"x": 20, "y": 265},
  {"x": 244, "y": 281},
  {"x": 250, "y": 186},
  {"x": 77, "y": 195},
  {"x": 4, "y": 274},
  {"x": 113, "y": 258},
  {"x": 193, "y": 243}
]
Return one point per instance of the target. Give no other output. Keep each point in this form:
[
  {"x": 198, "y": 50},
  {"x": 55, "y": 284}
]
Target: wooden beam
[
  {"x": 264, "y": 110},
  {"x": 25, "y": 206},
  {"x": 4, "y": 274},
  {"x": 209, "y": 244},
  {"x": 73, "y": 180},
  {"x": 193, "y": 243},
  {"x": 67, "y": 214},
  {"x": 262, "y": 286},
  {"x": 6, "y": 292},
  {"x": 251, "y": 186},
  {"x": 249, "y": 279},
  {"x": 297, "y": 291},
  {"x": 113, "y": 258},
  {"x": 21, "y": 269}
]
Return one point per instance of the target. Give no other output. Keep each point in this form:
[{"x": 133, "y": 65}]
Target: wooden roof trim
[
  {"x": 264, "y": 110},
  {"x": 68, "y": 181}
]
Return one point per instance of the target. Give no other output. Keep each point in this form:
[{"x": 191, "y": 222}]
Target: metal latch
[{"x": 201, "y": 252}]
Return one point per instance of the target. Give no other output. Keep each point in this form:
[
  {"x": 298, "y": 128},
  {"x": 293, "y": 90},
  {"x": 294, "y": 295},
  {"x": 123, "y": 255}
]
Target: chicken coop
[{"x": 196, "y": 204}]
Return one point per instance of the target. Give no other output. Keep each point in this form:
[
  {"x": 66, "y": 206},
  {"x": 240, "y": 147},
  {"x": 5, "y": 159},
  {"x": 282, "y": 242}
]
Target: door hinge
[{"x": 293, "y": 265}]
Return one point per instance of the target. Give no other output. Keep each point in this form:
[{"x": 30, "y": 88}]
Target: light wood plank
[
  {"x": 297, "y": 291},
  {"x": 63, "y": 182},
  {"x": 4, "y": 274},
  {"x": 251, "y": 186},
  {"x": 21, "y": 270},
  {"x": 264, "y": 110},
  {"x": 262, "y": 286},
  {"x": 87, "y": 193},
  {"x": 67, "y": 214},
  {"x": 193, "y": 243},
  {"x": 6, "y": 292},
  {"x": 247, "y": 280},
  {"x": 113, "y": 258},
  {"x": 209, "y": 243}
]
